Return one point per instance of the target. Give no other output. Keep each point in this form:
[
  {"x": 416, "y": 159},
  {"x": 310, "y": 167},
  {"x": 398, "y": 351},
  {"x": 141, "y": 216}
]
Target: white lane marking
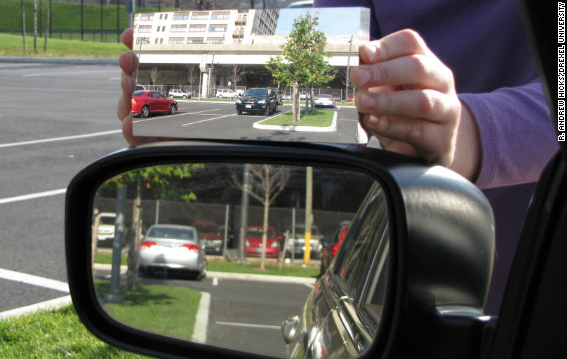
[
  {"x": 47, "y": 305},
  {"x": 215, "y": 282},
  {"x": 67, "y": 73},
  {"x": 247, "y": 325},
  {"x": 33, "y": 196},
  {"x": 202, "y": 319},
  {"x": 57, "y": 139},
  {"x": 34, "y": 280},
  {"x": 200, "y": 113},
  {"x": 207, "y": 120}
]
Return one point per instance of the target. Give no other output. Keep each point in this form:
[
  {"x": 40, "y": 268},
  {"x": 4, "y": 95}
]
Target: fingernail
[
  {"x": 371, "y": 52},
  {"x": 360, "y": 76}
]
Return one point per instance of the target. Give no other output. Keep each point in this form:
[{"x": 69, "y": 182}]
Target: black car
[{"x": 257, "y": 100}]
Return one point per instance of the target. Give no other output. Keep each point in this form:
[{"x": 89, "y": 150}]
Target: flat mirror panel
[
  {"x": 231, "y": 71},
  {"x": 222, "y": 254}
]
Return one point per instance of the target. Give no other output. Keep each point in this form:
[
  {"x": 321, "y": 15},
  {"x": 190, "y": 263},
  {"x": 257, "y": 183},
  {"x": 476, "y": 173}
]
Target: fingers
[
  {"x": 398, "y": 44},
  {"x": 425, "y": 104},
  {"x": 128, "y": 37}
]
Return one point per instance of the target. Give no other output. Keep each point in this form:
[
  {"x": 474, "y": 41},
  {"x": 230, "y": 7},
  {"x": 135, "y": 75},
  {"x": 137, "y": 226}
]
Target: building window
[
  {"x": 181, "y": 16},
  {"x": 147, "y": 17},
  {"x": 176, "y": 40},
  {"x": 215, "y": 40},
  {"x": 200, "y": 15},
  {"x": 217, "y": 28},
  {"x": 178, "y": 28},
  {"x": 220, "y": 15},
  {"x": 145, "y": 28},
  {"x": 195, "y": 40},
  {"x": 198, "y": 28}
]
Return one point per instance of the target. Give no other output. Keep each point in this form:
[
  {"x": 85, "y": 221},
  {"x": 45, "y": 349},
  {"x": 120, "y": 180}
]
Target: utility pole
[
  {"x": 348, "y": 68},
  {"x": 308, "y": 211}
]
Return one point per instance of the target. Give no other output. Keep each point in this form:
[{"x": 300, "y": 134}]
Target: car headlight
[
  {"x": 274, "y": 244},
  {"x": 238, "y": 100},
  {"x": 247, "y": 243},
  {"x": 262, "y": 101}
]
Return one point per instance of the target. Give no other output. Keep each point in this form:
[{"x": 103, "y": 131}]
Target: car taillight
[
  {"x": 192, "y": 247},
  {"x": 147, "y": 244},
  {"x": 335, "y": 248}
]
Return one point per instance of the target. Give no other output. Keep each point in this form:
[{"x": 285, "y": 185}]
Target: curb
[{"x": 332, "y": 128}]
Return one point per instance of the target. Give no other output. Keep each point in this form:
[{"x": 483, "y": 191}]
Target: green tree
[
  {"x": 304, "y": 60},
  {"x": 163, "y": 182}
]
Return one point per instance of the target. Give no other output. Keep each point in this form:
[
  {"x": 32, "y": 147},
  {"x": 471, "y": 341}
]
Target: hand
[
  {"x": 408, "y": 100},
  {"x": 129, "y": 63}
]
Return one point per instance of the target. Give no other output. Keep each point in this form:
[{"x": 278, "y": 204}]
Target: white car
[
  {"x": 105, "y": 230},
  {"x": 226, "y": 93},
  {"x": 178, "y": 93},
  {"x": 324, "y": 101}
]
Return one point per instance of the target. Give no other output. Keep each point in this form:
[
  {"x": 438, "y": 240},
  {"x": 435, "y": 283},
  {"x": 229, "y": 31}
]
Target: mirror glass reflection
[
  {"x": 231, "y": 71},
  {"x": 218, "y": 253}
]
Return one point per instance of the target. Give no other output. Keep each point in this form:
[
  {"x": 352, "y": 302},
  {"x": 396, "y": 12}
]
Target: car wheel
[
  {"x": 145, "y": 111},
  {"x": 172, "y": 110},
  {"x": 184, "y": 97},
  {"x": 239, "y": 112}
]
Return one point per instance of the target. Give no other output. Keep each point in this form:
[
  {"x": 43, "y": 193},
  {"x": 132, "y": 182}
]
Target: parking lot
[{"x": 218, "y": 119}]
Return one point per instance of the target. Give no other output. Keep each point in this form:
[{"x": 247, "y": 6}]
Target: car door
[
  {"x": 533, "y": 315},
  {"x": 346, "y": 307}
]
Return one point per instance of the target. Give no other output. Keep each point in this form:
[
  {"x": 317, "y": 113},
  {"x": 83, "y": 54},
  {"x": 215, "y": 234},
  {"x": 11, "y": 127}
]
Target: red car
[
  {"x": 254, "y": 242},
  {"x": 209, "y": 233},
  {"x": 145, "y": 103},
  {"x": 331, "y": 248}
]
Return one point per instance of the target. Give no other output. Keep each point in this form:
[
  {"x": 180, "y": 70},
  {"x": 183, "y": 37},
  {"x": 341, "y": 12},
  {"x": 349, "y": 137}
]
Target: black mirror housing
[{"x": 442, "y": 244}]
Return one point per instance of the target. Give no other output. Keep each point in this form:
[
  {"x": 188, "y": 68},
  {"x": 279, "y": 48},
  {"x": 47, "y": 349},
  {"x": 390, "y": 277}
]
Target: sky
[{"x": 332, "y": 21}]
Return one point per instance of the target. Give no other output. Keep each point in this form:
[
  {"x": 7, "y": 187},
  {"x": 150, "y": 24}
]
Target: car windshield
[
  {"x": 301, "y": 231},
  {"x": 138, "y": 93},
  {"x": 207, "y": 229},
  {"x": 107, "y": 220},
  {"x": 171, "y": 233},
  {"x": 324, "y": 96},
  {"x": 256, "y": 92}
]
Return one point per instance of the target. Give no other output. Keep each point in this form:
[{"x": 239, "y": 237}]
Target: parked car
[
  {"x": 258, "y": 100},
  {"x": 176, "y": 93},
  {"x": 330, "y": 248},
  {"x": 254, "y": 242},
  {"x": 323, "y": 100},
  {"x": 173, "y": 248},
  {"x": 297, "y": 244},
  {"x": 106, "y": 227},
  {"x": 209, "y": 232},
  {"x": 145, "y": 103},
  {"x": 226, "y": 93}
]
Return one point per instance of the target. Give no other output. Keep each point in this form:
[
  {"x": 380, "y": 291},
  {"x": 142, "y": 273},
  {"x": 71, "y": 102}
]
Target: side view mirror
[{"x": 416, "y": 261}]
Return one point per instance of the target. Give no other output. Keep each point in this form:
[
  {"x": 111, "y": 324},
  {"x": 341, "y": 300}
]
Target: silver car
[{"x": 173, "y": 248}]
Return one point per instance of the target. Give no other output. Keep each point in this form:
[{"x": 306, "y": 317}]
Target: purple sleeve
[{"x": 516, "y": 132}]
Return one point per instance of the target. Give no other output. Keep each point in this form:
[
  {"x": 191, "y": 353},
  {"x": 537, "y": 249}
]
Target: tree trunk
[
  {"x": 46, "y": 31},
  {"x": 24, "y": 26},
  {"x": 266, "y": 214},
  {"x": 35, "y": 26},
  {"x": 296, "y": 110},
  {"x": 134, "y": 247}
]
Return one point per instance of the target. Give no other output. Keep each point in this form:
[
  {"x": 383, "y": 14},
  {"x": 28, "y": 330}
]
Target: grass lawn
[
  {"x": 12, "y": 45},
  {"x": 316, "y": 118},
  {"x": 166, "y": 310},
  {"x": 53, "y": 334},
  {"x": 232, "y": 267}
]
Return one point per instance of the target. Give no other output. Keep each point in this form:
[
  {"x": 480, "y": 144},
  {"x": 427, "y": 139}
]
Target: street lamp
[
  {"x": 141, "y": 41},
  {"x": 348, "y": 68}
]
